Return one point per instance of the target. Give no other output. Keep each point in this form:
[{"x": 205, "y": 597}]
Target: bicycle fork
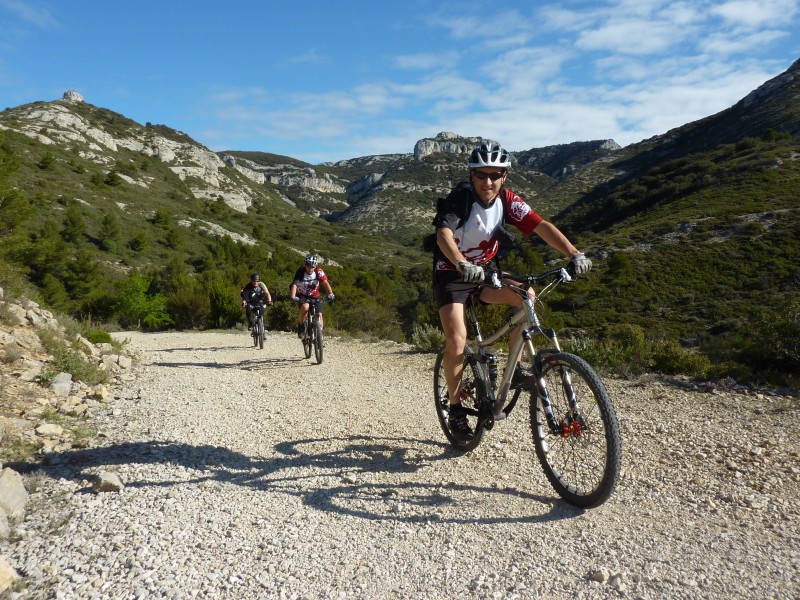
[{"x": 573, "y": 423}]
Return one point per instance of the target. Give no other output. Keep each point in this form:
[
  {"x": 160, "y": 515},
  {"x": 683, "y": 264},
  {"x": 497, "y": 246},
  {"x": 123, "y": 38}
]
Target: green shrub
[
  {"x": 427, "y": 338},
  {"x": 68, "y": 360},
  {"x": 730, "y": 370},
  {"x": 99, "y": 336},
  {"x": 136, "y": 307},
  {"x": 282, "y": 316},
  {"x": 669, "y": 357},
  {"x": 225, "y": 304},
  {"x": 189, "y": 308}
]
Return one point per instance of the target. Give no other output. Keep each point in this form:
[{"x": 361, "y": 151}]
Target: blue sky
[{"x": 324, "y": 80}]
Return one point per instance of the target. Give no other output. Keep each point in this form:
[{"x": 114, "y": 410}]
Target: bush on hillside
[
  {"x": 189, "y": 307},
  {"x": 67, "y": 359},
  {"x": 136, "y": 307},
  {"x": 427, "y": 338}
]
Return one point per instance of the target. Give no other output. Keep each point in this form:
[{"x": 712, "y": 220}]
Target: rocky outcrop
[
  {"x": 73, "y": 96},
  {"x": 286, "y": 175},
  {"x": 57, "y": 123},
  {"x": 308, "y": 179},
  {"x": 27, "y": 407},
  {"x": 364, "y": 186},
  {"x": 447, "y": 142},
  {"x": 561, "y": 160},
  {"x": 216, "y": 230}
]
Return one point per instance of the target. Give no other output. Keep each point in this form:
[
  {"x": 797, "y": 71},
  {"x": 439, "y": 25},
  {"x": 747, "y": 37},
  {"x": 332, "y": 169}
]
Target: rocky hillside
[
  {"x": 44, "y": 410},
  {"x": 361, "y": 191},
  {"x": 366, "y": 192},
  {"x": 715, "y": 196},
  {"x": 97, "y": 135}
]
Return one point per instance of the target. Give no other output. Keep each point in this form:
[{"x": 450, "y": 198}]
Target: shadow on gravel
[
  {"x": 255, "y": 364},
  {"x": 336, "y": 475}
]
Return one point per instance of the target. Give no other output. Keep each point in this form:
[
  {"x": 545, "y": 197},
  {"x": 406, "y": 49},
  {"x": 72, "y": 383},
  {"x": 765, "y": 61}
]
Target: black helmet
[
  {"x": 312, "y": 260},
  {"x": 255, "y": 277},
  {"x": 489, "y": 155}
]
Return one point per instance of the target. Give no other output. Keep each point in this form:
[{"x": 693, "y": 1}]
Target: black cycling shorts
[
  {"x": 308, "y": 300},
  {"x": 449, "y": 288}
]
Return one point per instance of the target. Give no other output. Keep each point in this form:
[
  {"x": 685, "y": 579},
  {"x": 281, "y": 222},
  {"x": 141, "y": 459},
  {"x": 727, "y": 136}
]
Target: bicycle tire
[
  {"x": 254, "y": 331},
  {"x": 307, "y": 341},
  {"x": 473, "y": 388},
  {"x": 583, "y": 461},
  {"x": 318, "y": 342},
  {"x": 261, "y": 333}
]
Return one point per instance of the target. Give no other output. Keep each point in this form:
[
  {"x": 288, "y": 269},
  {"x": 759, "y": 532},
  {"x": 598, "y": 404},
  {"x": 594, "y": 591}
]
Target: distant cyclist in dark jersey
[
  {"x": 305, "y": 286},
  {"x": 255, "y": 291},
  {"x": 466, "y": 246}
]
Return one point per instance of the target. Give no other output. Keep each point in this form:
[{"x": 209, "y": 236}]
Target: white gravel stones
[{"x": 258, "y": 474}]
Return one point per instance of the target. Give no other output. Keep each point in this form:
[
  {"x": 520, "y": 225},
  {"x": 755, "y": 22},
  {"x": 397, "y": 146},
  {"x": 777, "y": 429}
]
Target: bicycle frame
[
  {"x": 313, "y": 307},
  {"x": 528, "y": 323},
  {"x": 257, "y": 310}
]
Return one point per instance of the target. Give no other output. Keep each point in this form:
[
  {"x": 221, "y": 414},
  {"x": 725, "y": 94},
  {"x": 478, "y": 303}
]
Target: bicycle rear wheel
[
  {"x": 582, "y": 460},
  {"x": 307, "y": 341},
  {"x": 473, "y": 390},
  {"x": 318, "y": 341}
]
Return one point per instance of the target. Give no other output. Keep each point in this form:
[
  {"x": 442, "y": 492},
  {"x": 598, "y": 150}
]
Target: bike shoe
[
  {"x": 457, "y": 421},
  {"x": 301, "y": 330},
  {"x": 522, "y": 377}
]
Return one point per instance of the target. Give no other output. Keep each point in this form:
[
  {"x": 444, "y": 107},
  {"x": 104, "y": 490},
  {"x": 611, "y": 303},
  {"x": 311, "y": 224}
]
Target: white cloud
[
  {"x": 427, "y": 61},
  {"x": 756, "y": 13},
  {"x": 737, "y": 42},
  {"x": 635, "y": 36},
  {"x": 309, "y": 57},
  {"x": 492, "y": 28},
  {"x": 36, "y": 15},
  {"x": 625, "y": 70}
]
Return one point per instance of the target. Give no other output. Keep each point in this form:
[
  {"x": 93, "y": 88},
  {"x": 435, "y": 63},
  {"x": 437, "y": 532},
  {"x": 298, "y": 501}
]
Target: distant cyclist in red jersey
[{"x": 305, "y": 289}]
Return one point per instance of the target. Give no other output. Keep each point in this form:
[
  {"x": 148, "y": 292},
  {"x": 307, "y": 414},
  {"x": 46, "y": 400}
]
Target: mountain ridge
[{"x": 693, "y": 195}]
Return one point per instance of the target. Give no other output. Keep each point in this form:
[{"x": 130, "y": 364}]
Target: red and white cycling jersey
[
  {"x": 308, "y": 283},
  {"x": 475, "y": 237}
]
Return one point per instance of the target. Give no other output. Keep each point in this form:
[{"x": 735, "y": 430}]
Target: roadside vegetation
[{"x": 696, "y": 258}]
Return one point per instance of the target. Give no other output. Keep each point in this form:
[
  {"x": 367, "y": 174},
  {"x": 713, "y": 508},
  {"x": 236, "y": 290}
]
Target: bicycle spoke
[
  {"x": 472, "y": 392},
  {"x": 582, "y": 458}
]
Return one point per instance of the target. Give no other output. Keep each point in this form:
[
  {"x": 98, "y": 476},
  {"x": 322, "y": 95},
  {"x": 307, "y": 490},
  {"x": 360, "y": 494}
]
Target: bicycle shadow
[
  {"x": 250, "y": 364},
  {"x": 345, "y": 480},
  {"x": 257, "y": 363}
]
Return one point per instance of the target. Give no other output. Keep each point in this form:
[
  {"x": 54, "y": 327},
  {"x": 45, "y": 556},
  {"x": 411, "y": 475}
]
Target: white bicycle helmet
[
  {"x": 312, "y": 260},
  {"x": 489, "y": 155}
]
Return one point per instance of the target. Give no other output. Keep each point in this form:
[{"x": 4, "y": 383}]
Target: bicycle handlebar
[
  {"x": 493, "y": 278},
  {"x": 301, "y": 297},
  {"x": 260, "y": 303},
  {"x": 559, "y": 274}
]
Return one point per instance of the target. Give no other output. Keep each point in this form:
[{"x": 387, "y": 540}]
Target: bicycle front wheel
[
  {"x": 473, "y": 390},
  {"x": 261, "y": 333},
  {"x": 318, "y": 341},
  {"x": 582, "y": 458},
  {"x": 307, "y": 341}
]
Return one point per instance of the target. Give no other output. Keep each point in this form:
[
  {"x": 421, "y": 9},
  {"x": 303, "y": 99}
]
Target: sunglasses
[{"x": 493, "y": 176}]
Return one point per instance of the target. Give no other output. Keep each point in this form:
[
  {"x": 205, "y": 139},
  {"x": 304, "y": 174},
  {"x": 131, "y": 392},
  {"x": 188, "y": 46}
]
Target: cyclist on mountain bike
[
  {"x": 468, "y": 224},
  {"x": 255, "y": 291},
  {"x": 306, "y": 283}
]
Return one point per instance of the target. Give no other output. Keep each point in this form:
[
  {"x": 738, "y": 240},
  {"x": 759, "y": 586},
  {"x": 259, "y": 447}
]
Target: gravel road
[{"x": 259, "y": 474}]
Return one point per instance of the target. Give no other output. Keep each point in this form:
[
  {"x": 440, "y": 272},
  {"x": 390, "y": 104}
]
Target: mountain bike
[
  {"x": 257, "y": 313},
  {"x": 572, "y": 420},
  {"x": 312, "y": 331}
]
